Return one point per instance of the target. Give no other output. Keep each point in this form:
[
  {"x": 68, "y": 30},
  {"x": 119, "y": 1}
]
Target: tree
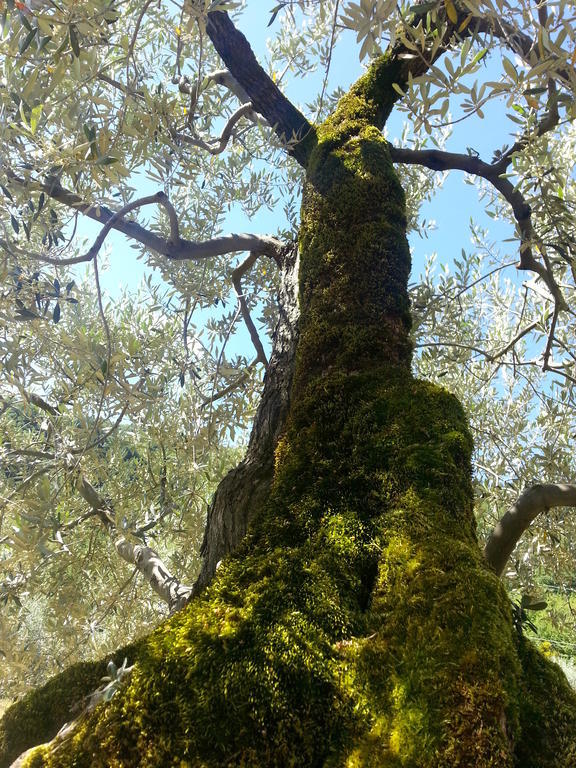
[{"x": 354, "y": 618}]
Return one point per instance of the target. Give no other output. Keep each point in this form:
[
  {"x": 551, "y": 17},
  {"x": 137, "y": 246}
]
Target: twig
[
  {"x": 219, "y": 145},
  {"x": 133, "y": 39},
  {"x": 550, "y": 341},
  {"x": 230, "y": 387},
  {"x": 237, "y": 275},
  {"x": 329, "y": 62},
  {"x": 491, "y": 357}
]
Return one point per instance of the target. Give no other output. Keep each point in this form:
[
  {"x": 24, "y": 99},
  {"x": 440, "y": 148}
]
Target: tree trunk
[
  {"x": 356, "y": 624},
  {"x": 246, "y": 486}
]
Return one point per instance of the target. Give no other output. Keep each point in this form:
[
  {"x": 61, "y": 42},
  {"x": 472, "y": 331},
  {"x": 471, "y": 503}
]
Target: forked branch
[{"x": 175, "y": 247}]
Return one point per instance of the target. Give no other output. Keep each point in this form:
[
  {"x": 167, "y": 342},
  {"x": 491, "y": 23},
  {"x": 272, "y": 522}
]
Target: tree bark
[{"x": 244, "y": 489}]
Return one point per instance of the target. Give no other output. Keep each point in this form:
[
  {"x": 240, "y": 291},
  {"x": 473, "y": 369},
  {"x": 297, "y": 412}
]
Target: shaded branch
[
  {"x": 39, "y": 402},
  {"x": 237, "y": 275},
  {"x": 532, "y": 502},
  {"x": 232, "y": 387},
  {"x": 289, "y": 123}
]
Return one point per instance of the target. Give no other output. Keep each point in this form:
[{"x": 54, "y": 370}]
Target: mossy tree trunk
[{"x": 357, "y": 623}]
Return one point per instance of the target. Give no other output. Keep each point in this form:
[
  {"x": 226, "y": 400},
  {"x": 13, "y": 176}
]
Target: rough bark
[
  {"x": 244, "y": 488},
  {"x": 289, "y": 123}
]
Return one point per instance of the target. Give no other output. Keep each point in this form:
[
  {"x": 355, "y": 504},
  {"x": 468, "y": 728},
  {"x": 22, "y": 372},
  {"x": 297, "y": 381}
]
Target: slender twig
[
  {"x": 238, "y": 382},
  {"x": 134, "y": 38},
  {"x": 491, "y": 357},
  {"x": 237, "y": 275},
  {"x": 329, "y": 62},
  {"x": 106, "y": 327},
  {"x": 221, "y": 356},
  {"x": 514, "y": 341},
  {"x": 217, "y": 146},
  {"x": 550, "y": 341}
]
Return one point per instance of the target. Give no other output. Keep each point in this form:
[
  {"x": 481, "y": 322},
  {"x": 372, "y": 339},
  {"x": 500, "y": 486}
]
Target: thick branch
[
  {"x": 182, "y": 250},
  {"x": 533, "y": 501},
  {"x": 289, "y": 123},
  {"x": 146, "y": 560}
]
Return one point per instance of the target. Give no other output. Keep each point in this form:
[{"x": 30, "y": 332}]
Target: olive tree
[{"x": 345, "y": 612}]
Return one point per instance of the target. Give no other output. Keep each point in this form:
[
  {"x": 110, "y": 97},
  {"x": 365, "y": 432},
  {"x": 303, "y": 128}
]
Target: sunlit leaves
[{"x": 367, "y": 18}]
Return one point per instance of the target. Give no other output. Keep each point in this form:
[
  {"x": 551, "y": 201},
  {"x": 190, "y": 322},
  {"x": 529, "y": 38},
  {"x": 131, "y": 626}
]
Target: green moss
[
  {"x": 547, "y": 713},
  {"x": 40, "y": 714},
  {"x": 36, "y": 758}
]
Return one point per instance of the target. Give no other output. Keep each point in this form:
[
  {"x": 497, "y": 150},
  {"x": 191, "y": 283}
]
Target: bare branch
[
  {"x": 219, "y": 145},
  {"x": 511, "y": 344},
  {"x": 550, "y": 342},
  {"x": 39, "y": 402},
  {"x": 146, "y": 560},
  {"x": 180, "y": 250},
  {"x": 134, "y": 38},
  {"x": 237, "y": 275},
  {"x": 491, "y": 357},
  {"x": 532, "y": 501},
  {"x": 115, "y": 84},
  {"x": 438, "y": 160},
  {"x": 237, "y": 382}
]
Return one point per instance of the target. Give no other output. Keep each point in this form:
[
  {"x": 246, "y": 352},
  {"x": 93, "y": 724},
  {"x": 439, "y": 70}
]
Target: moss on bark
[
  {"x": 39, "y": 715},
  {"x": 357, "y": 625}
]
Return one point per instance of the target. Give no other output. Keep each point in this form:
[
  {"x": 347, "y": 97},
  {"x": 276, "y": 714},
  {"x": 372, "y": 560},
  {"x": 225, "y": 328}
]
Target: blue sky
[{"x": 451, "y": 208}]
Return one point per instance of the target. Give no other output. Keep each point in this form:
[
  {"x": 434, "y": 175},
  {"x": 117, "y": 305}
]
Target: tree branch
[
  {"x": 146, "y": 560},
  {"x": 182, "y": 250},
  {"x": 533, "y": 501},
  {"x": 289, "y": 123},
  {"x": 518, "y": 42},
  {"x": 237, "y": 275},
  {"x": 438, "y": 160},
  {"x": 220, "y": 77},
  {"x": 218, "y": 145}
]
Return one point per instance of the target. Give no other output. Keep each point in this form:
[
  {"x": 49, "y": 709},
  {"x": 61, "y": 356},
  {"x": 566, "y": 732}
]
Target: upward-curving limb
[{"x": 531, "y": 503}]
